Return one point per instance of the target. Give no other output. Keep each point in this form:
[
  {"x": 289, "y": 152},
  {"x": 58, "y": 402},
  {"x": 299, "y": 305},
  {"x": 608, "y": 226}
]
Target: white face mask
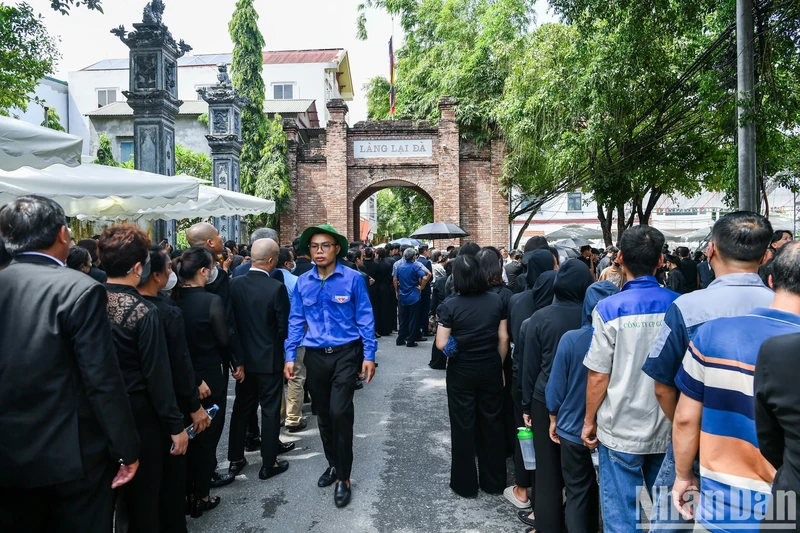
[
  {"x": 213, "y": 277},
  {"x": 171, "y": 282}
]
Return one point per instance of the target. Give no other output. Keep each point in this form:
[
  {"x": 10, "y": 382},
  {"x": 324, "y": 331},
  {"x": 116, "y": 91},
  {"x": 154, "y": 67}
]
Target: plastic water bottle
[
  {"x": 525, "y": 436},
  {"x": 212, "y": 412}
]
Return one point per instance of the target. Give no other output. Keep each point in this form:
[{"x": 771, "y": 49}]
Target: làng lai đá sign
[{"x": 393, "y": 148}]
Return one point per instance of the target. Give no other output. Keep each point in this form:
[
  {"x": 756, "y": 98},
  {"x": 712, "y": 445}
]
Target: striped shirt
[
  {"x": 624, "y": 327},
  {"x": 717, "y": 371}
]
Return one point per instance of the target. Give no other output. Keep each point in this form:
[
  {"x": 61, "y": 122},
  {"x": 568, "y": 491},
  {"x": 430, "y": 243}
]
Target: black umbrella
[
  {"x": 439, "y": 230},
  {"x": 575, "y": 242}
]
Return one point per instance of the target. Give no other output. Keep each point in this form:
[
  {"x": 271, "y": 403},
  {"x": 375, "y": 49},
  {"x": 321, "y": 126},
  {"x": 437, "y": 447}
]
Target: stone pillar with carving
[
  {"x": 288, "y": 217},
  {"x": 153, "y": 96},
  {"x": 225, "y": 140}
]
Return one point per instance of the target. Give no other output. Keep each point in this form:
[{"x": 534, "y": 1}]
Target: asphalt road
[{"x": 400, "y": 474}]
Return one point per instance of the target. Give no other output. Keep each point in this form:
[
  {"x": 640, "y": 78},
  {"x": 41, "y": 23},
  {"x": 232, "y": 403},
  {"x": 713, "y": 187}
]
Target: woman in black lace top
[
  {"x": 208, "y": 336},
  {"x": 143, "y": 359}
]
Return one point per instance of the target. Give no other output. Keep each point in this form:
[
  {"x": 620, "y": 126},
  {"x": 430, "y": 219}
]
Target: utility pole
[{"x": 745, "y": 68}]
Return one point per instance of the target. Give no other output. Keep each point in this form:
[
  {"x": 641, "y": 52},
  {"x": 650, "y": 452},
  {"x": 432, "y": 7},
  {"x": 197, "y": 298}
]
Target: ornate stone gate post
[
  {"x": 153, "y": 96},
  {"x": 225, "y": 139}
]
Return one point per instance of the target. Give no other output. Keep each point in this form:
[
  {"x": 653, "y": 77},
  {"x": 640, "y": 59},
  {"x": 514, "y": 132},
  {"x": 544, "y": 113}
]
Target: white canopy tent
[
  {"x": 97, "y": 191},
  {"x": 26, "y": 145},
  {"x": 211, "y": 202}
]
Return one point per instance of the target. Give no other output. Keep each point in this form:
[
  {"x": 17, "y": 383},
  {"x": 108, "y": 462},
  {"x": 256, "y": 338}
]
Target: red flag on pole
[{"x": 391, "y": 76}]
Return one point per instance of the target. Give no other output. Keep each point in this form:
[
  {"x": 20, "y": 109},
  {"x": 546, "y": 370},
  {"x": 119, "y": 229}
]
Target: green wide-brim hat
[{"x": 309, "y": 232}]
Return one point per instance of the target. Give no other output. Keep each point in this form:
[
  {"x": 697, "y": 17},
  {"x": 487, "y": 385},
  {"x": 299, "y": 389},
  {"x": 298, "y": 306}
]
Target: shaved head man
[
  {"x": 204, "y": 234},
  {"x": 261, "y": 311},
  {"x": 264, "y": 254}
]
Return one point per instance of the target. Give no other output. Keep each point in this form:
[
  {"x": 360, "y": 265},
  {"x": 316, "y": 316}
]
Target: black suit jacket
[
  {"x": 63, "y": 404},
  {"x": 261, "y": 308}
]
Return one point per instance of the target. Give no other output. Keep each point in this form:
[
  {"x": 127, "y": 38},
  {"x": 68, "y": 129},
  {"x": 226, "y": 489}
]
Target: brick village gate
[{"x": 334, "y": 170}]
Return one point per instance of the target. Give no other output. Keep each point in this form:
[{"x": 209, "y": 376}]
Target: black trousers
[
  {"x": 583, "y": 499},
  {"x": 202, "y": 453},
  {"x": 81, "y": 506},
  {"x": 408, "y": 332},
  {"x": 138, "y": 502},
  {"x": 522, "y": 477},
  {"x": 266, "y": 390},
  {"x": 475, "y": 403},
  {"x": 549, "y": 481},
  {"x": 423, "y": 312},
  {"x": 172, "y": 496},
  {"x": 329, "y": 377},
  {"x": 222, "y": 402}
]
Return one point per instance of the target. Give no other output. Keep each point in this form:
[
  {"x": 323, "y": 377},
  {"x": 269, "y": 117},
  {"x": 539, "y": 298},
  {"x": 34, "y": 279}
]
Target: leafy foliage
[
  {"x": 27, "y": 54},
  {"x": 459, "y": 48},
  {"x": 104, "y": 154},
  {"x": 401, "y": 211},
  {"x": 264, "y": 168},
  {"x": 377, "y": 92},
  {"x": 53, "y": 120},
  {"x": 63, "y": 6},
  {"x": 191, "y": 163}
]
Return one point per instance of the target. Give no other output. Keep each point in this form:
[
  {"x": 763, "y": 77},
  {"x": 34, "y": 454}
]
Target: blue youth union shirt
[
  {"x": 330, "y": 313},
  {"x": 408, "y": 276}
]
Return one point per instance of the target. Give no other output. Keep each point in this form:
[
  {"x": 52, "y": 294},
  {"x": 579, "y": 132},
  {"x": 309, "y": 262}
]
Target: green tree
[
  {"x": 27, "y": 54},
  {"x": 457, "y": 48},
  {"x": 191, "y": 163},
  {"x": 53, "y": 121},
  {"x": 401, "y": 210},
  {"x": 390, "y": 224},
  {"x": 104, "y": 154},
  {"x": 377, "y": 92},
  {"x": 264, "y": 168},
  {"x": 246, "y": 68}
]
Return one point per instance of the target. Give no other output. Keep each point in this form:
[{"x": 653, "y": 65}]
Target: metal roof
[
  {"x": 330, "y": 55},
  {"x": 198, "y": 107}
]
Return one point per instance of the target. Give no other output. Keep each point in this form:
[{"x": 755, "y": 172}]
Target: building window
[
  {"x": 106, "y": 96},
  {"x": 283, "y": 91},
  {"x": 125, "y": 151},
  {"x": 574, "y": 202}
]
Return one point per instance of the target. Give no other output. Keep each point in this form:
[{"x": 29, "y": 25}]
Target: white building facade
[{"x": 51, "y": 94}]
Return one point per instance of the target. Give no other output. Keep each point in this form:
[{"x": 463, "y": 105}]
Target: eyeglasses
[{"x": 325, "y": 246}]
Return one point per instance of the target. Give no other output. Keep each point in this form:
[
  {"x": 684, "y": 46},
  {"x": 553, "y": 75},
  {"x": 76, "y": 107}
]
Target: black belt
[{"x": 334, "y": 349}]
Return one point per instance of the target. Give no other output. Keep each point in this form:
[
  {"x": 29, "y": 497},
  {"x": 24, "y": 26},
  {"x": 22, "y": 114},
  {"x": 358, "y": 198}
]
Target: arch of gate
[{"x": 333, "y": 170}]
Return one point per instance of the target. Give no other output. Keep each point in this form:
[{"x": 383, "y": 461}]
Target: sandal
[{"x": 523, "y": 516}]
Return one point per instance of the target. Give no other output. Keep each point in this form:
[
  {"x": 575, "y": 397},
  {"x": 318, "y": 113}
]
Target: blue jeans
[
  {"x": 664, "y": 512},
  {"x": 622, "y": 477}
]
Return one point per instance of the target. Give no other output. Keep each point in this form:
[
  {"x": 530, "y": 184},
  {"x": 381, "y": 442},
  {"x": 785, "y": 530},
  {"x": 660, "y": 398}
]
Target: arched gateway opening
[
  {"x": 390, "y": 200},
  {"x": 334, "y": 170}
]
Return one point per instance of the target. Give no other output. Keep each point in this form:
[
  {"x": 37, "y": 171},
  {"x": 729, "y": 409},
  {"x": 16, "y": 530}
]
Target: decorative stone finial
[
  {"x": 223, "y": 77},
  {"x": 153, "y": 12}
]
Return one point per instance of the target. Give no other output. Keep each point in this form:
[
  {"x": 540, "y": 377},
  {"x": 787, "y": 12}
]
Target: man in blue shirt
[
  {"x": 331, "y": 317},
  {"x": 409, "y": 281},
  {"x": 738, "y": 243},
  {"x": 425, "y": 300}
]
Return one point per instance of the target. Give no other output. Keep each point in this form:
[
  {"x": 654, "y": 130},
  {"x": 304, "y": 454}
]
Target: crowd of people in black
[{"x": 117, "y": 355}]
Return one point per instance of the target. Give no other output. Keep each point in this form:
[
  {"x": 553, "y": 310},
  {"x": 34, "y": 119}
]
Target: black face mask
[{"x": 145, "y": 274}]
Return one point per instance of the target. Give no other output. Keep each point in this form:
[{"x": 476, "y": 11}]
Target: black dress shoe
[
  {"x": 203, "y": 505},
  {"x": 412, "y": 345},
  {"x": 299, "y": 427},
  {"x": 237, "y": 466},
  {"x": 221, "y": 479},
  {"x": 341, "y": 495},
  {"x": 284, "y": 447},
  {"x": 253, "y": 445},
  {"x": 359, "y": 385},
  {"x": 267, "y": 472},
  {"x": 327, "y": 478},
  {"x": 423, "y": 339},
  {"x": 399, "y": 343}
]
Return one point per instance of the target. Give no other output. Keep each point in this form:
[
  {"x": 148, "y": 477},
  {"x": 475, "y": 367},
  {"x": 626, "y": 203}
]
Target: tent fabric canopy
[
  {"x": 98, "y": 191},
  {"x": 26, "y": 145},
  {"x": 211, "y": 202}
]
